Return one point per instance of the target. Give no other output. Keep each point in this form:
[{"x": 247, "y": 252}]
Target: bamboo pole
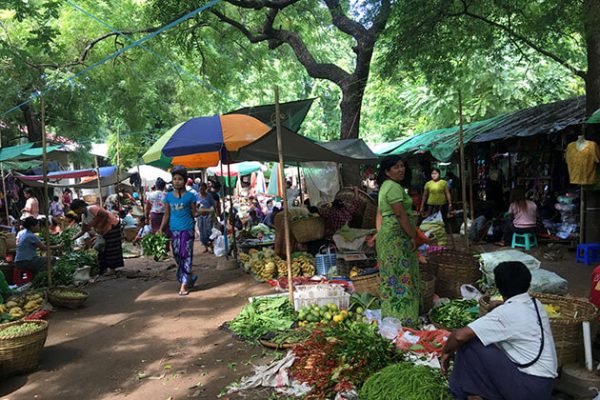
[
  {"x": 224, "y": 203},
  {"x": 118, "y": 169},
  {"x": 462, "y": 168},
  {"x": 286, "y": 223},
  {"x": 4, "y": 187},
  {"x": 98, "y": 179},
  {"x": 300, "y": 185},
  {"x": 233, "y": 244},
  {"x": 471, "y": 194},
  {"x": 47, "y": 203}
]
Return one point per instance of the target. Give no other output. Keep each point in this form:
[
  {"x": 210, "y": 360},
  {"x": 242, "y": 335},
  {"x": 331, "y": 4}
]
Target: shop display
[
  {"x": 455, "y": 314},
  {"x": 263, "y": 315}
]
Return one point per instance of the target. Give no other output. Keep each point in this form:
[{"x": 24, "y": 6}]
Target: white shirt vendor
[{"x": 510, "y": 327}]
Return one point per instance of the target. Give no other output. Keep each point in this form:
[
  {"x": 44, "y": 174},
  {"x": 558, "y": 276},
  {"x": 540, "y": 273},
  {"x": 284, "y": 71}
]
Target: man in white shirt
[{"x": 509, "y": 353}]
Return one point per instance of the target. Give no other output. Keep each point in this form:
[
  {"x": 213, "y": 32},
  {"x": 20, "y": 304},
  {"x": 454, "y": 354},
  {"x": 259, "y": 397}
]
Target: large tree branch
[
  {"x": 512, "y": 33},
  {"x": 260, "y": 4},
  {"x": 343, "y": 22},
  {"x": 277, "y": 37}
]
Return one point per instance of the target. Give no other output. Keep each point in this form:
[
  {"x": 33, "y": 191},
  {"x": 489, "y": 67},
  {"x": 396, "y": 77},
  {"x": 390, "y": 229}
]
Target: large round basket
[
  {"x": 22, "y": 353},
  {"x": 90, "y": 199},
  {"x": 368, "y": 284},
  {"x": 57, "y": 300},
  {"x": 454, "y": 269},
  {"x": 130, "y": 233},
  {"x": 365, "y": 214},
  {"x": 566, "y": 328},
  {"x": 427, "y": 291},
  {"x": 308, "y": 229}
]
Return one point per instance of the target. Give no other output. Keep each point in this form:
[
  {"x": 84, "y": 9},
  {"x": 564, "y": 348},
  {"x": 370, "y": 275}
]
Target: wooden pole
[
  {"x": 224, "y": 203},
  {"x": 118, "y": 169},
  {"x": 300, "y": 185},
  {"x": 233, "y": 244},
  {"x": 98, "y": 179},
  {"x": 462, "y": 167},
  {"x": 286, "y": 223},
  {"x": 4, "y": 188},
  {"x": 47, "y": 203},
  {"x": 471, "y": 194}
]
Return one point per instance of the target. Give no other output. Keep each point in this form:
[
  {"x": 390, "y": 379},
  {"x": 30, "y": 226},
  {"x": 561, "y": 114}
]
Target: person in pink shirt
[
  {"x": 522, "y": 216},
  {"x": 32, "y": 206}
]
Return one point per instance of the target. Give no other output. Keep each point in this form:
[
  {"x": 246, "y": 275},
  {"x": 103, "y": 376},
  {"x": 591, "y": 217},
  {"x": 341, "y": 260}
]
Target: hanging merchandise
[{"x": 582, "y": 157}]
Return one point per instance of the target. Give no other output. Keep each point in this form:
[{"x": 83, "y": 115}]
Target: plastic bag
[
  {"x": 422, "y": 341},
  {"x": 470, "y": 292},
  {"x": 99, "y": 244},
  {"x": 390, "y": 327},
  {"x": 438, "y": 231},
  {"x": 545, "y": 281},
  {"x": 489, "y": 261},
  {"x": 436, "y": 217}
]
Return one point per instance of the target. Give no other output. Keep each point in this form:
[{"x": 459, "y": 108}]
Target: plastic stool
[
  {"x": 588, "y": 253},
  {"x": 21, "y": 276},
  {"x": 526, "y": 240}
]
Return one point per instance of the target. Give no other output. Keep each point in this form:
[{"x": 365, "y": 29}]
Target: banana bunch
[
  {"x": 24, "y": 304},
  {"x": 244, "y": 258},
  {"x": 303, "y": 265},
  {"x": 355, "y": 271}
]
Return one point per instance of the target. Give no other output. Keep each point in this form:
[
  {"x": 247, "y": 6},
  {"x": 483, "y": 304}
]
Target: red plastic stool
[{"x": 21, "y": 276}]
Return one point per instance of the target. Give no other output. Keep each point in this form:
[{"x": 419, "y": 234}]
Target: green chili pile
[{"x": 405, "y": 381}]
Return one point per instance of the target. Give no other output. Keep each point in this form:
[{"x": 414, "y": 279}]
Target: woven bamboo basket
[
  {"x": 365, "y": 214},
  {"x": 368, "y": 284},
  {"x": 427, "y": 291},
  {"x": 308, "y": 229},
  {"x": 453, "y": 270},
  {"x": 130, "y": 233},
  {"x": 344, "y": 267},
  {"x": 90, "y": 198},
  {"x": 566, "y": 329},
  {"x": 55, "y": 298},
  {"x": 22, "y": 353}
]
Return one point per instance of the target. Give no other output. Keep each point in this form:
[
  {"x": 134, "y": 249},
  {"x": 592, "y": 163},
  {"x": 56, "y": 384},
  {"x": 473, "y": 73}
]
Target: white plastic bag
[
  {"x": 436, "y": 217},
  {"x": 489, "y": 261},
  {"x": 545, "y": 281},
  {"x": 470, "y": 292},
  {"x": 390, "y": 327}
]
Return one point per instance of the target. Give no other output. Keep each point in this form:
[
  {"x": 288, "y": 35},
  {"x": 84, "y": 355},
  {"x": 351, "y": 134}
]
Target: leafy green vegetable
[
  {"x": 455, "y": 314},
  {"x": 155, "y": 245},
  {"x": 405, "y": 381},
  {"x": 62, "y": 273},
  {"x": 364, "y": 300},
  {"x": 262, "y": 316}
]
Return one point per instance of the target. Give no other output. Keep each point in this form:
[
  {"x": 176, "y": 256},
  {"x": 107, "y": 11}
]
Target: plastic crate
[{"x": 308, "y": 295}]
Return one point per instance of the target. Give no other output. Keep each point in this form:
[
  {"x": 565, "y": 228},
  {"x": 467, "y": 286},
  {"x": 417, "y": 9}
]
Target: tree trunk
[
  {"x": 33, "y": 123},
  {"x": 350, "y": 107}
]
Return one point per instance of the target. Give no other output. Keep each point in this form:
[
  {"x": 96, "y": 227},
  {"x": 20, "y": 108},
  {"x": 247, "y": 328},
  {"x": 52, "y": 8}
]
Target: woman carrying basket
[{"x": 396, "y": 249}]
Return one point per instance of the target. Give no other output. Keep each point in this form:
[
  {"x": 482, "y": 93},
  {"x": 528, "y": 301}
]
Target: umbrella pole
[
  {"x": 4, "y": 188},
  {"x": 286, "y": 223},
  {"x": 223, "y": 201},
  {"x": 98, "y": 179},
  {"x": 142, "y": 191},
  {"x": 47, "y": 204},
  {"x": 462, "y": 168},
  {"x": 233, "y": 245}
]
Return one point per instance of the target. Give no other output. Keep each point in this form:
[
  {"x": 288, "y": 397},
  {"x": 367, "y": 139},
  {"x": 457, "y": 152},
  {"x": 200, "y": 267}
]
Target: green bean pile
[
  {"x": 19, "y": 329},
  {"x": 405, "y": 381}
]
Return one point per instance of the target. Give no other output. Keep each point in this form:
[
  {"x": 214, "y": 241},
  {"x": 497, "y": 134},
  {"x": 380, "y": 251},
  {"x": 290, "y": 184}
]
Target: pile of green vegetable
[
  {"x": 62, "y": 273},
  {"x": 19, "y": 329},
  {"x": 405, "y": 381},
  {"x": 156, "y": 245},
  {"x": 456, "y": 313},
  {"x": 262, "y": 316}
]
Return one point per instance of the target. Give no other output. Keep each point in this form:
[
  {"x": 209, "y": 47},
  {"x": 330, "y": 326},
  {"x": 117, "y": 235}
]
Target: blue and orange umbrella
[{"x": 202, "y": 142}]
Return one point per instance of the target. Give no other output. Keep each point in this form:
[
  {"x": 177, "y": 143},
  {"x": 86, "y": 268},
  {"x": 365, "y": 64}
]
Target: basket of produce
[
  {"x": 455, "y": 314},
  {"x": 66, "y": 297},
  {"x": 566, "y": 315},
  {"x": 21, "y": 305},
  {"x": 130, "y": 233},
  {"x": 321, "y": 295},
  {"x": 262, "y": 316},
  {"x": 454, "y": 269},
  {"x": 427, "y": 290},
  {"x": 366, "y": 211},
  {"x": 308, "y": 229},
  {"x": 21, "y": 345},
  {"x": 368, "y": 284}
]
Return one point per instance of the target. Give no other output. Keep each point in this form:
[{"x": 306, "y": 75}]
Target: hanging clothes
[{"x": 581, "y": 162}]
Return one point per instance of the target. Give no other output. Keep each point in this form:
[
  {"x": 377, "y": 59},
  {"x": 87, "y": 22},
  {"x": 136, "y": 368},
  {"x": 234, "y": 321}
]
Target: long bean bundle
[{"x": 405, "y": 381}]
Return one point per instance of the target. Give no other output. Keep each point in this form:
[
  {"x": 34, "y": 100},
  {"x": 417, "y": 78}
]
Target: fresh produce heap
[
  {"x": 552, "y": 310},
  {"x": 64, "y": 239},
  {"x": 300, "y": 213},
  {"x": 19, "y": 306},
  {"x": 266, "y": 264},
  {"x": 18, "y": 330},
  {"x": 262, "y": 316},
  {"x": 62, "y": 273},
  {"x": 405, "y": 381},
  {"x": 310, "y": 315},
  {"x": 290, "y": 337},
  {"x": 70, "y": 294},
  {"x": 456, "y": 313},
  {"x": 155, "y": 244},
  {"x": 339, "y": 357}
]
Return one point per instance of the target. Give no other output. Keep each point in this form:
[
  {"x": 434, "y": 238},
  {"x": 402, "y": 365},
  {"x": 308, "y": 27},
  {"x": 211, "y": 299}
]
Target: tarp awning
[
  {"x": 8, "y": 153},
  {"x": 104, "y": 171},
  {"x": 108, "y": 176},
  {"x": 354, "y": 148},
  {"x": 544, "y": 119}
]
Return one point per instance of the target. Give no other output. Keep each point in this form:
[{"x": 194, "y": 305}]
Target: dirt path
[{"x": 137, "y": 339}]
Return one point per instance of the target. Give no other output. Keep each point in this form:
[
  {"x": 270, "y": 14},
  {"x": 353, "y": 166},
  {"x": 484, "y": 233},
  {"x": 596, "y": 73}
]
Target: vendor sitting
[
  {"x": 508, "y": 353},
  {"x": 27, "y": 244},
  {"x": 338, "y": 214},
  {"x": 252, "y": 220},
  {"x": 522, "y": 217}
]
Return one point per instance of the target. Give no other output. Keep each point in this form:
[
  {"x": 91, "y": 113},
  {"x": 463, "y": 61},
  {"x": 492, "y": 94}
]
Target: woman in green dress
[{"x": 396, "y": 251}]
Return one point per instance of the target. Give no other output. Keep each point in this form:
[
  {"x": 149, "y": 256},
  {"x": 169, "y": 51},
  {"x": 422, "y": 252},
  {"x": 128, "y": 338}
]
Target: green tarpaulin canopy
[{"x": 9, "y": 153}]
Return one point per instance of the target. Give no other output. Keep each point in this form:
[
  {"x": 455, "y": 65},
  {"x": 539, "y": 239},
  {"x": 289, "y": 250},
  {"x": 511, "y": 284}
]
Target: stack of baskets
[
  {"x": 308, "y": 229},
  {"x": 22, "y": 352},
  {"x": 365, "y": 214},
  {"x": 57, "y": 300},
  {"x": 453, "y": 269},
  {"x": 427, "y": 291},
  {"x": 566, "y": 328}
]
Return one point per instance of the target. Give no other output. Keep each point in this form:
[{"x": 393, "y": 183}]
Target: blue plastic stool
[
  {"x": 588, "y": 253},
  {"x": 526, "y": 240}
]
